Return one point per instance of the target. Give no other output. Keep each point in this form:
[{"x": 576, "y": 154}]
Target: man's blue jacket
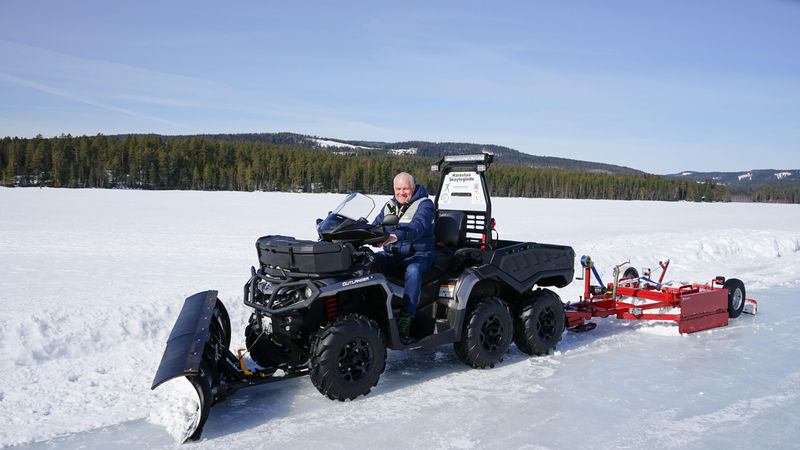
[{"x": 415, "y": 230}]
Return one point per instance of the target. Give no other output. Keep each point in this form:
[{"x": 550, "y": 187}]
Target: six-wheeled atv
[{"x": 320, "y": 309}]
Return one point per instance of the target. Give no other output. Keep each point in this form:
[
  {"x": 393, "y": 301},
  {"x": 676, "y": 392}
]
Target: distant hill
[
  {"x": 503, "y": 155},
  {"x": 746, "y": 180}
]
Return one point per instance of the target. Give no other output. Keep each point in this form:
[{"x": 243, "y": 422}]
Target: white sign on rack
[{"x": 458, "y": 186}]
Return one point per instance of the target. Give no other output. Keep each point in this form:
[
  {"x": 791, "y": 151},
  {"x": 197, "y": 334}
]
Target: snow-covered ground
[{"x": 92, "y": 281}]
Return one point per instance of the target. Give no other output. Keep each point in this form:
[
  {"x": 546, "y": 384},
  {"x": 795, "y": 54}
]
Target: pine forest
[{"x": 197, "y": 163}]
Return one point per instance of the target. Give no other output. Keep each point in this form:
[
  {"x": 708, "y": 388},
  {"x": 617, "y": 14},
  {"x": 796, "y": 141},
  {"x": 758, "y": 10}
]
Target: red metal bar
[
  {"x": 665, "y": 296},
  {"x": 663, "y": 271},
  {"x": 587, "y": 281},
  {"x": 673, "y": 317}
]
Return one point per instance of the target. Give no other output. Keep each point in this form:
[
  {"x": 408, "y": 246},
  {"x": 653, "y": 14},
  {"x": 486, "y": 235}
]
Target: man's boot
[{"x": 404, "y": 327}]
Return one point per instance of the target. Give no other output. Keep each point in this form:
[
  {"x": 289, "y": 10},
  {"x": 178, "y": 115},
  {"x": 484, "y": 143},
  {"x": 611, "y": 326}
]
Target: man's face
[{"x": 403, "y": 190}]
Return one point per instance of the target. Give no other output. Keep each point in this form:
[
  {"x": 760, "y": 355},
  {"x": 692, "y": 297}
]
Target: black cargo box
[{"x": 287, "y": 254}]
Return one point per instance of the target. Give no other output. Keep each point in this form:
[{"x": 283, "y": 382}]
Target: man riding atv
[{"x": 409, "y": 247}]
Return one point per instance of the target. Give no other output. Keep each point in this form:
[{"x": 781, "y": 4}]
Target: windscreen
[{"x": 355, "y": 206}]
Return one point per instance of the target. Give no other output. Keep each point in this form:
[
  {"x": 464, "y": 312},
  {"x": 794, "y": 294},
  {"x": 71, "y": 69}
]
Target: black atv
[{"x": 320, "y": 309}]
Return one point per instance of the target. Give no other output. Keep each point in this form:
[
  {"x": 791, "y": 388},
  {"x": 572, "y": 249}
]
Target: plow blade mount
[{"x": 197, "y": 349}]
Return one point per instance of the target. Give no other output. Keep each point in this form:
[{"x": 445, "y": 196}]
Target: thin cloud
[
  {"x": 78, "y": 98},
  {"x": 158, "y": 101},
  {"x": 105, "y": 83}
]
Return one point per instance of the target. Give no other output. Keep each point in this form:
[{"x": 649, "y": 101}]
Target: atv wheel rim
[
  {"x": 736, "y": 301},
  {"x": 355, "y": 360},
  {"x": 546, "y": 324},
  {"x": 491, "y": 334}
]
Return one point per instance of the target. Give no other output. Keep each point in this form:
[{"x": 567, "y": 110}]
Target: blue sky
[{"x": 657, "y": 86}]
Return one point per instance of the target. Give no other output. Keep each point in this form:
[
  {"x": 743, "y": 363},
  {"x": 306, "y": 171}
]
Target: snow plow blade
[
  {"x": 184, "y": 352},
  {"x": 196, "y": 348}
]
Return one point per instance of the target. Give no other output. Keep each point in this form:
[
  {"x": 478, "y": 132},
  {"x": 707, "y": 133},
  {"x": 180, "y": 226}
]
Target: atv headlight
[
  {"x": 288, "y": 294},
  {"x": 265, "y": 287},
  {"x": 291, "y": 295}
]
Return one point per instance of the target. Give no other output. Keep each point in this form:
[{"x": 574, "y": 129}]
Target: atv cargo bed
[{"x": 524, "y": 264}]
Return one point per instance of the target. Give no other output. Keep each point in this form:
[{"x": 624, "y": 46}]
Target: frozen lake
[{"x": 92, "y": 281}]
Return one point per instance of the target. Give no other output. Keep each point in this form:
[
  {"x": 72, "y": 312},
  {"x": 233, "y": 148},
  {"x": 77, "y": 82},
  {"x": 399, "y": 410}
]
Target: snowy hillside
[
  {"x": 746, "y": 180},
  {"x": 92, "y": 281}
]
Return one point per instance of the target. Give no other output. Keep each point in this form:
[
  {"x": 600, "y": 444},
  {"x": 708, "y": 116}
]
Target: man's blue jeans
[{"x": 411, "y": 268}]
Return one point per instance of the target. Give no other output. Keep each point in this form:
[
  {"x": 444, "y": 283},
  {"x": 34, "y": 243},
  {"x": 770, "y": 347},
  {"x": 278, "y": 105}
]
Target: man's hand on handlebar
[{"x": 392, "y": 239}]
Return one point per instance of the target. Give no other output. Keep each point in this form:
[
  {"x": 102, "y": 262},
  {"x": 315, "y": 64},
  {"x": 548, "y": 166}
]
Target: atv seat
[{"x": 450, "y": 229}]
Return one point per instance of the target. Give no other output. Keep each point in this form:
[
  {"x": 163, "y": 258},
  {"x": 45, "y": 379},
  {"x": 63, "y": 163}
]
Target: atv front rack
[{"x": 694, "y": 307}]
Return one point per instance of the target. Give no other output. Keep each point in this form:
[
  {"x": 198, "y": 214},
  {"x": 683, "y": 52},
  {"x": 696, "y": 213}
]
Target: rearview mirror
[{"x": 390, "y": 220}]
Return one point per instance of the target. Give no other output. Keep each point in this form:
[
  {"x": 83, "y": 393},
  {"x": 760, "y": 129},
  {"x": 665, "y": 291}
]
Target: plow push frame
[{"x": 633, "y": 297}]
